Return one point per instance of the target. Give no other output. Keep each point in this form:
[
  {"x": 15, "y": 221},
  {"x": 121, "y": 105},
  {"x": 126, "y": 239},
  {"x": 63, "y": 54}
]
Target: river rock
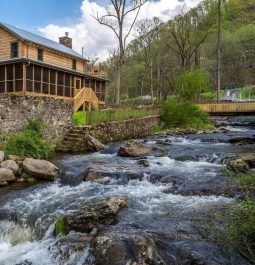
[
  {"x": 94, "y": 144},
  {"x": 134, "y": 149},
  {"x": 249, "y": 159},
  {"x": 242, "y": 140},
  {"x": 95, "y": 215},
  {"x": 125, "y": 247},
  {"x": 238, "y": 166},
  {"x": 12, "y": 165},
  {"x": 1, "y": 156},
  {"x": 18, "y": 159},
  {"x": 6, "y": 175},
  {"x": 40, "y": 168}
]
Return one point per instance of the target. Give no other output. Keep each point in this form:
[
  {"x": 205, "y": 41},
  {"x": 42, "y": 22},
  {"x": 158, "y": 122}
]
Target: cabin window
[
  {"x": 14, "y": 50},
  {"x": 74, "y": 64},
  {"x": 40, "y": 54}
]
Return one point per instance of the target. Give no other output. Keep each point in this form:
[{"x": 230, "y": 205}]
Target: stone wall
[
  {"x": 15, "y": 111},
  {"x": 108, "y": 132}
]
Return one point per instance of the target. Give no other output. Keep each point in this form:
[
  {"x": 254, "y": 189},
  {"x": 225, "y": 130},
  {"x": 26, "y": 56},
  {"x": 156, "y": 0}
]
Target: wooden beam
[
  {"x": 5, "y": 79},
  {"x": 49, "y": 82},
  {"x": 24, "y": 78},
  {"x": 56, "y": 83},
  {"x": 33, "y": 82},
  {"x": 41, "y": 80},
  {"x": 13, "y": 78}
]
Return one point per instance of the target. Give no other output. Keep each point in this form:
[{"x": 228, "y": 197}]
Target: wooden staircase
[{"x": 86, "y": 96}]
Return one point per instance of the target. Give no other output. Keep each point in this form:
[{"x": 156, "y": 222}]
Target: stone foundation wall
[
  {"x": 108, "y": 132},
  {"x": 15, "y": 111}
]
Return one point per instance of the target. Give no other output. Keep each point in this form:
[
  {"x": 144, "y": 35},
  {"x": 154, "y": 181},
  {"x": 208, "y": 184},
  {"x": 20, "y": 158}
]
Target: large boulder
[
  {"x": 125, "y": 247},
  {"x": 40, "y": 168},
  {"x": 6, "y": 175},
  {"x": 135, "y": 149},
  {"x": 93, "y": 144},
  {"x": 242, "y": 140},
  {"x": 1, "y": 156},
  {"x": 12, "y": 165},
  {"x": 238, "y": 166},
  {"x": 94, "y": 216},
  {"x": 249, "y": 159}
]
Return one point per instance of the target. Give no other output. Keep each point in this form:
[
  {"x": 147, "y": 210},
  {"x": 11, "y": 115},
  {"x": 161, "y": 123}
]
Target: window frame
[
  {"x": 11, "y": 49},
  {"x": 42, "y": 54}
]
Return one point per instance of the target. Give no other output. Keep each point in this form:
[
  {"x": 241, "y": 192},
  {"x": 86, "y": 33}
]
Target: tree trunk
[
  {"x": 117, "y": 84},
  {"x": 158, "y": 87},
  {"x": 219, "y": 52},
  {"x": 151, "y": 81}
]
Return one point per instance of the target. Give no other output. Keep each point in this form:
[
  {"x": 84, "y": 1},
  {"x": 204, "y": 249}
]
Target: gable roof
[{"x": 25, "y": 35}]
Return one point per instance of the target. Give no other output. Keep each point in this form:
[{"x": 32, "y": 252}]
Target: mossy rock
[
  {"x": 60, "y": 228},
  {"x": 30, "y": 180},
  {"x": 238, "y": 166}
]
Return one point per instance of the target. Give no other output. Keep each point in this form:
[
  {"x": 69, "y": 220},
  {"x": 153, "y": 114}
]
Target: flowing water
[{"x": 172, "y": 199}]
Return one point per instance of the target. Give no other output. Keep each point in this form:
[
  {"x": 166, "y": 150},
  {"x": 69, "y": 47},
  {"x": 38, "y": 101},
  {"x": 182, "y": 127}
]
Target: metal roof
[{"x": 25, "y": 35}]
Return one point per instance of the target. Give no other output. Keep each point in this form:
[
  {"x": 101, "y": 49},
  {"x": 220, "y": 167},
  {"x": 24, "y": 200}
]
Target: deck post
[
  {"x": 5, "y": 79},
  {"x": 24, "y": 79}
]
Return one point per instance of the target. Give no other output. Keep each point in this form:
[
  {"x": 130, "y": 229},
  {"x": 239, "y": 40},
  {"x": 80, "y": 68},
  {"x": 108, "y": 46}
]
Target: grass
[
  {"x": 240, "y": 230},
  {"x": 60, "y": 228},
  {"x": 95, "y": 117}
]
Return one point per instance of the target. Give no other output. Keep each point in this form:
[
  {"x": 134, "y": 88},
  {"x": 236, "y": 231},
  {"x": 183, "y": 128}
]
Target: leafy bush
[
  {"x": 184, "y": 115},
  {"x": 191, "y": 84},
  {"x": 30, "y": 142}
]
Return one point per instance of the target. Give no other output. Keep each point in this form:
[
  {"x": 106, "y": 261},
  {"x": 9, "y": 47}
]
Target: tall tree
[
  {"x": 147, "y": 35},
  {"x": 115, "y": 19}
]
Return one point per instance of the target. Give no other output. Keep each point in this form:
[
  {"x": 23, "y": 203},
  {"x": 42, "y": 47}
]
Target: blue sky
[
  {"x": 52, "y": 18},
  {"x": 32, "y": 14}
]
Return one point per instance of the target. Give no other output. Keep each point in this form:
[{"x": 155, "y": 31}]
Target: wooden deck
[{"x": 228, "y": 107}]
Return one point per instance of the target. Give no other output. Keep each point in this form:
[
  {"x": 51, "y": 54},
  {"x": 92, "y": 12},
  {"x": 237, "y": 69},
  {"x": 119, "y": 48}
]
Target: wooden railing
[
  {"x": 228, "y": 107},
  {"x": 86, "y": 94}
]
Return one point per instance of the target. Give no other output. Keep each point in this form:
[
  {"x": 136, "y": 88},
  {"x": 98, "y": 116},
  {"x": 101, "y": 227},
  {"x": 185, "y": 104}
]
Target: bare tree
[
  {"x": 184, "y": 40},
  {"x": 147, "y": 35},
  {"x": 115, "y": 19}
]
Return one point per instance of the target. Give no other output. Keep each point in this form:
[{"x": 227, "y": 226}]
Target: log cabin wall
[
  {"x": 5, "y": 44},
  {"x": 53, "y": 57}
]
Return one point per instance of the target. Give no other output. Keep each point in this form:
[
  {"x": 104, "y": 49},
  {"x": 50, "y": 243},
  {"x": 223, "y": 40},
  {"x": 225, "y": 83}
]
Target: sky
[{"x": 52, "y": 18}]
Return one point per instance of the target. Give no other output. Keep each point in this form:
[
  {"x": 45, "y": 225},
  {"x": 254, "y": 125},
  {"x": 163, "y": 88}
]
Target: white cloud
[{"x": 97, "y": 39}]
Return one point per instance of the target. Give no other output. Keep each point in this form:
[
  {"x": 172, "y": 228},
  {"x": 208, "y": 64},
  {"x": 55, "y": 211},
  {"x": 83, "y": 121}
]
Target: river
[{"x": 173, "y": 199}]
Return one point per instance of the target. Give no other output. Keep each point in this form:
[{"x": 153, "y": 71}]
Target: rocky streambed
[{"x": 161, "y": 208}]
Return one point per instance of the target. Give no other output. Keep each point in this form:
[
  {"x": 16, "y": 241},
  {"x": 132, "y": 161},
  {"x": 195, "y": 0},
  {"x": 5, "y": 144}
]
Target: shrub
[
  {"x": 191, "y": 84},
  {"x": 30, "y": 142},
  {"x": 184, "y": 115}
]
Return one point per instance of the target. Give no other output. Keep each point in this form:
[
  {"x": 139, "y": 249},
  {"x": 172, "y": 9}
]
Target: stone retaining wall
[
  {"x": 109, "y": 132},
  {"x": 15, "y": 111}
]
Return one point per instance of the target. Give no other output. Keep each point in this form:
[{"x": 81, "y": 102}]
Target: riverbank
[{"x": 173, "y": 199}]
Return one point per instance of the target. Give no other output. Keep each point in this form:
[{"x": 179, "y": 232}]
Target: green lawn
[{"x": 95, "y": 117}]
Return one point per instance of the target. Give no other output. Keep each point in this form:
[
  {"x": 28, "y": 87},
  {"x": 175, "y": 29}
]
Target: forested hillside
[{"x": 163, "y": 56}]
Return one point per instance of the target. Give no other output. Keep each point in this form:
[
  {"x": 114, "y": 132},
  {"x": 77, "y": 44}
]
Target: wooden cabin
[{"x": 35, "y": 66}]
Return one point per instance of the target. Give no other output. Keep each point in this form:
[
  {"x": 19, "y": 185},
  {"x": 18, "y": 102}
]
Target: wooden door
[{"x": 77, "y": 85}]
